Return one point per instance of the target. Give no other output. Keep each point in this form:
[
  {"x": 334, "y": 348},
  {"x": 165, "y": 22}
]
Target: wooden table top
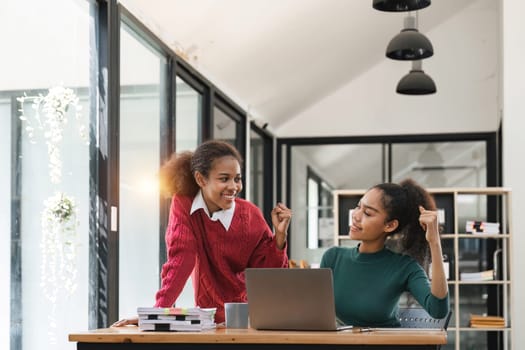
[{"x": 131, "y": 334}]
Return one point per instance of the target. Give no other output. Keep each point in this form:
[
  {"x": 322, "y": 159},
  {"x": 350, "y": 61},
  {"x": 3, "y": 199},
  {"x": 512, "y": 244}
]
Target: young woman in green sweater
[{"x": 369, "y": 279}]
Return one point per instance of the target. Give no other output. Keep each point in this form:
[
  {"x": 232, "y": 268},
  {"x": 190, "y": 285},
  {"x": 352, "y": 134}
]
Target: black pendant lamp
[
  {"x": 416, "y": 82},
  {"x": 400, "y": 5},
  {"x": 409, "y": 44}
]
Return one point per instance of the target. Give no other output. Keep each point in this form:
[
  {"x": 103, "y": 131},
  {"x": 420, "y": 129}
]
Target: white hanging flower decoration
[
  {"x": 54, "y": 106},
  {"x": 59, "y": 223},
  {"x": 59, "y": 217}
]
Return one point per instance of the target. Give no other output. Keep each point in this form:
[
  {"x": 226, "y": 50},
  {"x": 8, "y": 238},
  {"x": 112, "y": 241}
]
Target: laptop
[{"x": 291, "y": 299}]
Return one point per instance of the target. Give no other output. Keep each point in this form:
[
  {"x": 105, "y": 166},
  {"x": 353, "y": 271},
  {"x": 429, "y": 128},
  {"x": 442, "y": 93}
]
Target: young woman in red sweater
[{"x": 212, "y": 234}]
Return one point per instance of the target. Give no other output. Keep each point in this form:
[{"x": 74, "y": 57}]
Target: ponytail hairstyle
[
  {"x": 401, "y": 202},
  {"x": 177, "y": 175}
]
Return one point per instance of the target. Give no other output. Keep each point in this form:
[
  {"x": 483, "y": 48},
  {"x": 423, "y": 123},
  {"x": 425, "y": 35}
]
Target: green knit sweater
[{"x": 367, "y": 287}]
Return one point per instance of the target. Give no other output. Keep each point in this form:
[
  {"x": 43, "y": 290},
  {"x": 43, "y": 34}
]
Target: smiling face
[
  {"x": 222, "y": 185},
  {"x": 369, "y": 221}
]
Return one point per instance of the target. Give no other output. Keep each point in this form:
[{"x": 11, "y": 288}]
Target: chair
[{"x": 416, "y": 317}]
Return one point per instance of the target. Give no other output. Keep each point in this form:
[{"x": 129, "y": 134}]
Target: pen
[{"x": 362, "y": 329}]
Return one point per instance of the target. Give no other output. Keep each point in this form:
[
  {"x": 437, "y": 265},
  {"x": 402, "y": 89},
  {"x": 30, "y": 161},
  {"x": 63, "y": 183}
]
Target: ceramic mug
[{"x": 236, "y": 315}]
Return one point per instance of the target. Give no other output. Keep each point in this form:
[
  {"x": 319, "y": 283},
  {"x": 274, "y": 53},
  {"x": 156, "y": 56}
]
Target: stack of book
[
  {"x": 176, "y": 319},
  {"x": 482, "y": 227},
  {"x": 481, "y": 321},
  {"x": 487, "y": 275}
]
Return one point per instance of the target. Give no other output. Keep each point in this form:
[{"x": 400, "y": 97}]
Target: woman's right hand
[
  {"x": 281, "y": 216},
  {"x": 429, "y": 222},
  {"x": 126, "y": 321}
]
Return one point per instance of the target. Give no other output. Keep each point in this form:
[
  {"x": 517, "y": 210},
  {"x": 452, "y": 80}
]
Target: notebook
[{"x": 291, "y": 299}]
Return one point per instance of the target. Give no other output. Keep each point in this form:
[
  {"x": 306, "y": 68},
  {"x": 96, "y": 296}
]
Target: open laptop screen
[{"x": 291, "y": 299}]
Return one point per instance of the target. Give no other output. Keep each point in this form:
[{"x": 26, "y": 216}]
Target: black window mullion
[
  {"x": 168, "y": 145},
  {"x": 388, "y": 165},
  {"x": 288, "y": 194},
  {"x": 279, "y": 168},
  {"x": 494, "y": 213},
  {"x": 208, "y": 102},
  {"x": 268, "y": 176},
  {"x": 104, "y": 233}
]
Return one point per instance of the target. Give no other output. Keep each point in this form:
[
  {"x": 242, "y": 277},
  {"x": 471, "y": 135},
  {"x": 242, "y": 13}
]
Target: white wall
[
  {"x": 60, "y": 51},
  {"x": 466, "y": 46},
  {"x": 513, "y": 144},
  {"x": 27, "y": 50}
]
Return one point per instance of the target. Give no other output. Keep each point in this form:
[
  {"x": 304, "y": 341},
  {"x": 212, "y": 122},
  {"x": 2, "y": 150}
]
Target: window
[
  {"x": 320, "y": 214},
  {"x": 5, "y": 218},
  {"x": 141, "y": 102},
  {"x": 441, "y": 164},
  {"x": 228, "y": 123},
  {"x": 188, "y": 127},
  {"x": 361, "y": 162},
  {"x": 225, "y": 127},
  {"x": 322, "y": 168},
  {"x": 189, "y": 116},
  {"x": 260, "y": 186},
  {"x": 45, "y": 221}
]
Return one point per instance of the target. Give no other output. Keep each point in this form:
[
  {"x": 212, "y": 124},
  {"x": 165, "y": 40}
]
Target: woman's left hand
[
  {"x": 429, "y": 221},
  {"x": 281, "y": 216},
  {"x": 126, "y": 321}
]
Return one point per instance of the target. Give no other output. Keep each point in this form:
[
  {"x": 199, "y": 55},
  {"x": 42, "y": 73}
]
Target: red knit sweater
[{"x": 217, "y": 257}]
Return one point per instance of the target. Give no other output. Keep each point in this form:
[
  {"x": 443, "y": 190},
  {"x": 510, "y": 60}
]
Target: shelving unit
[{"x": 467, "y": 252}]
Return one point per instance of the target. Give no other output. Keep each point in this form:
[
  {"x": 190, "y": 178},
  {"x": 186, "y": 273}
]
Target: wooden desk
[{"x": 131, "y": 338}]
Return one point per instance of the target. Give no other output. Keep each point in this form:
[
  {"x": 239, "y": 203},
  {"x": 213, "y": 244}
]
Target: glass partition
[
  {"x": 228, "y": 125},
  {"x": 140, "y": 115},
  {"x": 44, "y": 221},
  {"x": 360, "y": 166},
  {"x": 188, "y": 116},
  {"x": 224, "y": 126},
  {"x": 256, "y": 189},
  {"x": 315, "y": 171},
  {"x": 5, "y": 219},
  {"x": 54, "y": 232},
  {"x": 441, "y": 164},
  {"x": 188, "y": 122}
]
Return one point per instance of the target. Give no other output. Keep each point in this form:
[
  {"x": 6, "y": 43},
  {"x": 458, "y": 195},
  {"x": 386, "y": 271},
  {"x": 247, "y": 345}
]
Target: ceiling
[
  {"x": 293, "y": 63},
  {"x": 317, "y": 68}
]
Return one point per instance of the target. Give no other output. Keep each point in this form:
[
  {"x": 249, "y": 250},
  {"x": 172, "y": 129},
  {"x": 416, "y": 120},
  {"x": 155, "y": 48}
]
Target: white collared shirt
[{"x": 225, "y": 216}]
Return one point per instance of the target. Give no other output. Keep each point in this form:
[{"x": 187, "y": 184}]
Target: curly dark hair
[
  {"x": 177, "y": 174},
  {"x": 401, "y": 202}
]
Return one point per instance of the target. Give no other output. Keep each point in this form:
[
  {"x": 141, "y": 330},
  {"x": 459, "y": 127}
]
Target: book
[
  {"x": 483, "y": 321},
  {"x": 165, "y": 327},
  {"x": 176, "y": 311},
  {"x": 195, "y": 323},
  {"x": 176, "y": 319},
  {"x": 482, "y": 227},
  {"x": 169, "y": 317},
  {"x": 487, "y": 275}
]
